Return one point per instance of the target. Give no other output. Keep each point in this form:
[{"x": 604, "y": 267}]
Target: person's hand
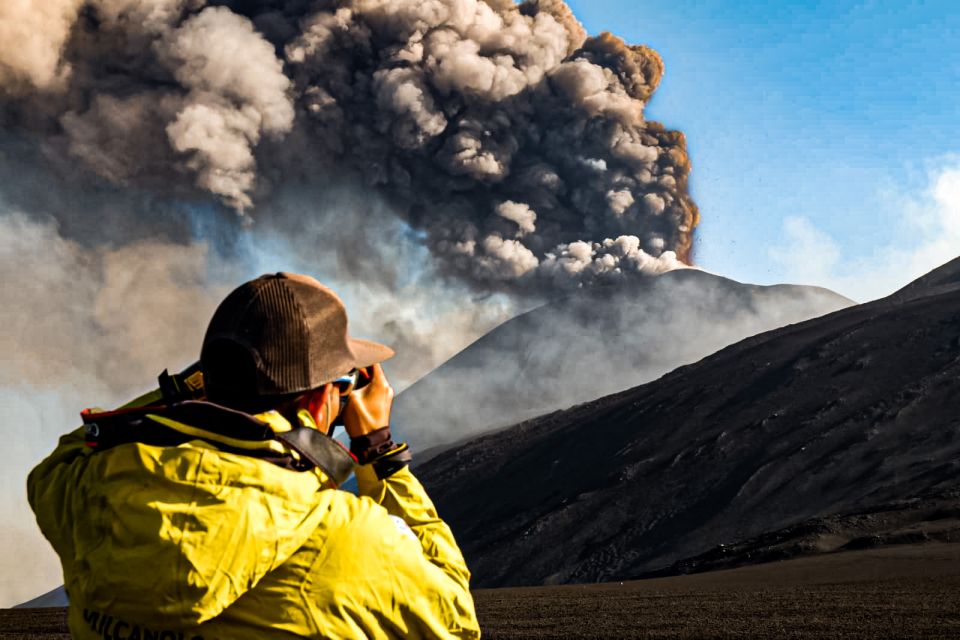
[{"x": 368, "y": 409}]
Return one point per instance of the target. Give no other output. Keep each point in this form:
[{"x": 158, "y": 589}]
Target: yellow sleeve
[
  {"x": 403, "y": 496},
  {"x": 48, "y": 487}
]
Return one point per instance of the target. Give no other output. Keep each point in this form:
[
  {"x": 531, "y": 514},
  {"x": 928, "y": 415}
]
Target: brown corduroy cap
[{"x": 279, "y": 335}]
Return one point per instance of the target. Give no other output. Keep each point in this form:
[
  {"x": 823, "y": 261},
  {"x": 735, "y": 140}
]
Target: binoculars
[{"x": 350, "y": 382}]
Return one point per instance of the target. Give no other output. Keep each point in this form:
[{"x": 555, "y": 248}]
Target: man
[{"x": 221, "y": 519}]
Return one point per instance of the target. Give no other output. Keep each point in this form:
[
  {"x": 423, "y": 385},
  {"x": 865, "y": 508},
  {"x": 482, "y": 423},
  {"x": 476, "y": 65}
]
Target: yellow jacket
[{"x": 189, "y": 542}]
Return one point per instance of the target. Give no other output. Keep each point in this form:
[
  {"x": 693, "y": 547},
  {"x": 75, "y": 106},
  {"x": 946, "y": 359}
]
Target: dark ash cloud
[{"x": 515, "y": 145}]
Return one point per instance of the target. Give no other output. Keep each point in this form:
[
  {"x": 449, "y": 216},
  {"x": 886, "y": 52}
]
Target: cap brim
[{"x": 369, "y": 353}]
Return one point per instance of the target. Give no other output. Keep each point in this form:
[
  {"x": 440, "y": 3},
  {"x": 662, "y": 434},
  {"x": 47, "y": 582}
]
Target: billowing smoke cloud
[
  {"x": 193, "y": 96},
  {"x": 33, "y": 33},
  {"x": 513, "y": 144}
]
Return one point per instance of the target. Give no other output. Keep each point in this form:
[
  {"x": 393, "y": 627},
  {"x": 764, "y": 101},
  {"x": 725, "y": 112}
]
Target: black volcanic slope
[
  {"x": 942, "y": 280},
  {"x": 931, "y": 518},
  {"x": 841, "y": 413},
  {"x": 592, "y": 343}
]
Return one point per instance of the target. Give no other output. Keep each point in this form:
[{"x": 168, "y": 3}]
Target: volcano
[
  {"x": 844, "y": 413},
  {"x": 591, "y": 343}
]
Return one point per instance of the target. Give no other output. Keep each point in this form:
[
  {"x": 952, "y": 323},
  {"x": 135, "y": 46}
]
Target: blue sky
[{"x": 822, "y": 134}]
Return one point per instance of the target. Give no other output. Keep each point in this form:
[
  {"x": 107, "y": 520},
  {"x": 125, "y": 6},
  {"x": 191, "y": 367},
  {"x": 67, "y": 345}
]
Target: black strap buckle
[{"x": 179, "y": 387}]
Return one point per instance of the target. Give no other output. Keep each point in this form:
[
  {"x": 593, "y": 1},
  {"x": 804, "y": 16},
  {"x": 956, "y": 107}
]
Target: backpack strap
[{"x": 300, "y": 449}]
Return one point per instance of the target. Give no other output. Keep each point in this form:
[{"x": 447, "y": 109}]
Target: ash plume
[
  {"x": 33, "y": 33},
  {"x": 512, "y": 144}
]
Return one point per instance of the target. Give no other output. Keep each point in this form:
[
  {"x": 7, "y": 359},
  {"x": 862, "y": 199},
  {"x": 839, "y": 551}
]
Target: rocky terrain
[
  {"x": 591, "y": 343},
  {"x": 907, "y": 591},
  {"x": 841, "y": 414}
]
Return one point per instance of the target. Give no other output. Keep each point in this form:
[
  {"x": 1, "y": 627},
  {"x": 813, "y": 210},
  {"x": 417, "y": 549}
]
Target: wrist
[
  {"x": 378, "y": 449},
  {"x": 371, "y": 445}
]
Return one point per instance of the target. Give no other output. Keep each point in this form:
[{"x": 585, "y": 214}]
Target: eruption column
[{"x": 512, "y": 143}]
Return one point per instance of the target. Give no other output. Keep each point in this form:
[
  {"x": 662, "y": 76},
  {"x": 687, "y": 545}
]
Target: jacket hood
[{"x": 177, "y": 534}]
